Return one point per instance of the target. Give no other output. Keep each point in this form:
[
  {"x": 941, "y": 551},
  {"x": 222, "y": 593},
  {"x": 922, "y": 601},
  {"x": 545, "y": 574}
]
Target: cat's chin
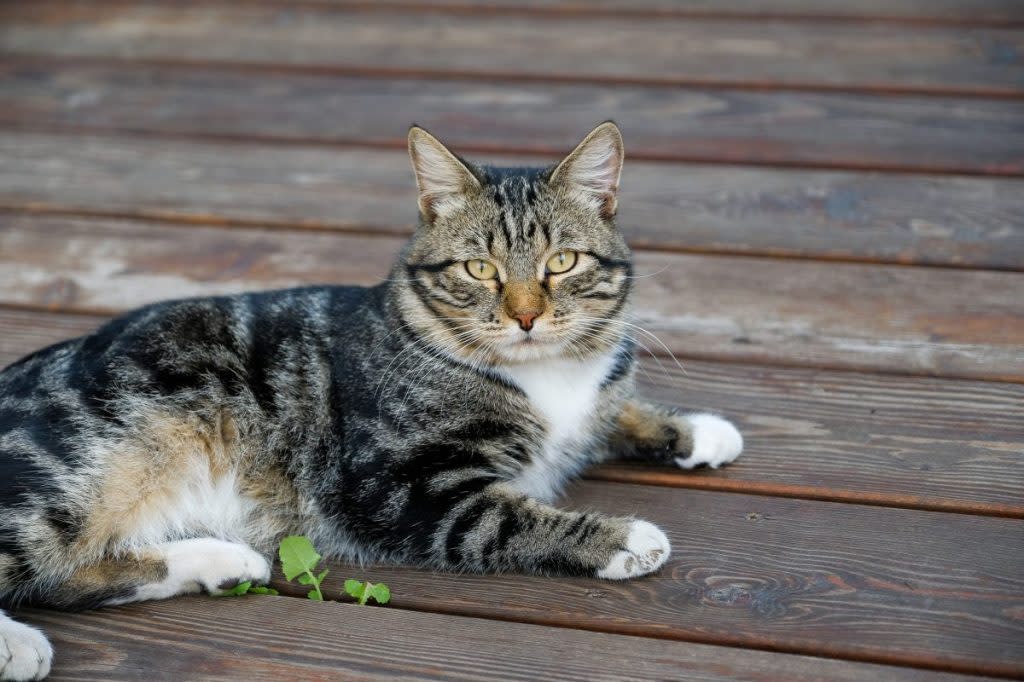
[
  {"x": 528, "y": 350},
  {"x": 525, "y": 351}
]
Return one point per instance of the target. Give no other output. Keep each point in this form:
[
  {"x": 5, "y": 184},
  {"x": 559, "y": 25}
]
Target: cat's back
[{"x": 250, "y": 344}]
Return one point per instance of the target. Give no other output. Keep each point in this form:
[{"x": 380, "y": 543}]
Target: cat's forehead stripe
[{"x": 515, "y": 194}]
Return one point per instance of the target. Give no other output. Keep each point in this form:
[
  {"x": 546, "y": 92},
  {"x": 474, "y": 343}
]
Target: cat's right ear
[{"x": 441, "y": 178}]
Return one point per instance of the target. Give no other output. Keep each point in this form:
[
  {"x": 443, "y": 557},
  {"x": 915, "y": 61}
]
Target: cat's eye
[
  {"x": 481, "y": 269},
  {"x": 563, "y": 261}
]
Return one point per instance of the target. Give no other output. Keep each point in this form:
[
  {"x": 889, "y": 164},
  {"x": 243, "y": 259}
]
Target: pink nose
[{"x": 526, "y": 319}]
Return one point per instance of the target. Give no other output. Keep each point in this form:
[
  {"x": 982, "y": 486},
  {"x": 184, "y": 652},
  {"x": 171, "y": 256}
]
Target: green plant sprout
[
  {"x": 299, "y": 559},
  {"x": 364, "y": 591},
  {"x": 247, "y": 588}
]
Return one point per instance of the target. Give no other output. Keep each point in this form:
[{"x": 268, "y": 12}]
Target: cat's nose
[{"x": 526, "y": 319}]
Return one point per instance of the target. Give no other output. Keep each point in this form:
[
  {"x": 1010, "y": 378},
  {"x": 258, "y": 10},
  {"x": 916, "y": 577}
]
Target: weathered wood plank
[
  {"x": 845, "y": 581},
  {"x": 277, "y": 638},
  {"x": 940, "y": 220},
  {"x": 830, "y": 130},
  {"x": 910, "y": 442},
  {"x": 943, "y": 322},
  {"x": 25, "y": 331},
  {"x": 870, "y": 57},
  {"x": 867, "y": 438},
  {"x": 987, "y": 12}
]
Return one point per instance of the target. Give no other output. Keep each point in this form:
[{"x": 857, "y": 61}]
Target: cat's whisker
[
  {"x": 647, "y": 333},
  {"x": 651, "y": 353},
  {"x": 665, "y": 268}
]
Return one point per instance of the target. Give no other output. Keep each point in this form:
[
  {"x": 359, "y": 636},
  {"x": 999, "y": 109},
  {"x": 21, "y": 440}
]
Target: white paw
[
  {"x": 213, "y": 565},
  {"x": 715, "y": 442},
  {"x": 646, "y": 550},
  {"x": 25, "y": 653}
]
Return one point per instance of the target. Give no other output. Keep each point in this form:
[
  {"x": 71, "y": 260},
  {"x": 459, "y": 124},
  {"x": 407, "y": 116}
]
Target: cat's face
[{"x": 511, "y": 264}]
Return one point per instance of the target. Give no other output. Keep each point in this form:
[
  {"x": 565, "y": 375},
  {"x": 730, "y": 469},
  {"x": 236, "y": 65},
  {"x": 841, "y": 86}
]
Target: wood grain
[
  {"x": 943, "y": 322},
  {"x": 895, "y": 441},
  {"x": 909, "y": 442},
  {"x": 831, "y": 130},
  {"x": 972, "y": 12},
  {"x": 763, "y": 54},
  {"x": 25, "y": 331},
  {"x": 915, "y": 588},
  {"x": 277, "y": 638},
  {"x": 951, "y": 221}
]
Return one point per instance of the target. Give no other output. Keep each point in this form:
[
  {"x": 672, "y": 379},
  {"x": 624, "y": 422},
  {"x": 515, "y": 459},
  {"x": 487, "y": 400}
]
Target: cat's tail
[{"x": 25, "y": 653}]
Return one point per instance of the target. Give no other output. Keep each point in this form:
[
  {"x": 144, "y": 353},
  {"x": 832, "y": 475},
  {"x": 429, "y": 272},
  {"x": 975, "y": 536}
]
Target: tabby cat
[{"x": 427, "y": 420}]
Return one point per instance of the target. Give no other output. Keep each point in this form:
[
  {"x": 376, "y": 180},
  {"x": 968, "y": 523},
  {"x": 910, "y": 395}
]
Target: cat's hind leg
[
  {"x": 161, "y": 571},
  {"x": 157, "y": 572},
  {"x": 25, "y": 653}
]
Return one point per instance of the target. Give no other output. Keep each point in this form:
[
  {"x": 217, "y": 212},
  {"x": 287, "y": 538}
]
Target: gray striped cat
[{"x": 427, "y": 420}]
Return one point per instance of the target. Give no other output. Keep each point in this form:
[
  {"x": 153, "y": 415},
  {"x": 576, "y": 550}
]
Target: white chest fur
[{"x": 564, "y": 394}]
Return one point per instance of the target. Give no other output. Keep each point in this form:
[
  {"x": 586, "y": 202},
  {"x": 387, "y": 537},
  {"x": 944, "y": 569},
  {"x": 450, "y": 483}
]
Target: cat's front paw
[
  {"x": 25, "y": 653},
  {"x": 715, "y": 442},
  {"x": 646, "y": 550}
]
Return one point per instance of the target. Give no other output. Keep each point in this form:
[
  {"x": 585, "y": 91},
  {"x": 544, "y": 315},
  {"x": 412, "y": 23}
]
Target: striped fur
[{"x": 411, "y": 422}]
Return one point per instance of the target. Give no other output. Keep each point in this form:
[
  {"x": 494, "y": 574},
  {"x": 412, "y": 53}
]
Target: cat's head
[{"x": 514, "y": 264}]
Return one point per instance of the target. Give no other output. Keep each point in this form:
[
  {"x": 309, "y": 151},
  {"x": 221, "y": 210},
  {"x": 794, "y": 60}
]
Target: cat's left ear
[
  {"x": 441, "y": 177},
  {"x": 594, "y": 167}
]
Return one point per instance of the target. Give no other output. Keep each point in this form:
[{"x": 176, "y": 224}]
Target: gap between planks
[
  {"x": 186, "y": 220},
  {"x": 248, "y": 643},
  {"x": 475, "y": 147},
  {"x": 850, "y": 73},
  {"x": 653, "y": 10}
]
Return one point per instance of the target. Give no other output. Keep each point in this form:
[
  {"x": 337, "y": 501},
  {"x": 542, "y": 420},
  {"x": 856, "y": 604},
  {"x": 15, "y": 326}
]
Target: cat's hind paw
[
  {"x": 25, "y": 653},
  {"x": 646, "y": 550},
  {"x": 715, "y": 442},
  {"x": 213, "y": 565}
]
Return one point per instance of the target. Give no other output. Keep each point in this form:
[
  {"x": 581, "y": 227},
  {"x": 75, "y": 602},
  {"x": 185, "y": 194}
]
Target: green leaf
[
  {"x": 320, "y": 578},
  {"x": 315, "y": 595},
  {"x": 307, "y": 579},
  {"x": 381, "y": 593},
  {"x": 263, "y": 590},
  {"x": 297, "y": 556},
  {"x": 354, "y": 588},
  {"x": 238, "y": 590}
]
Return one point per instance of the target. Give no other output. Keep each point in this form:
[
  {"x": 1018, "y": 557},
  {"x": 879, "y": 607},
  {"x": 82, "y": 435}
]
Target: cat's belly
[{"x": 564, "y": 394}]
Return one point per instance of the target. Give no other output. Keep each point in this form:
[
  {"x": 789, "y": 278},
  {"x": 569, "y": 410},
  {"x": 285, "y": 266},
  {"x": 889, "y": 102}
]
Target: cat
[{"x": 428, "y": 420}]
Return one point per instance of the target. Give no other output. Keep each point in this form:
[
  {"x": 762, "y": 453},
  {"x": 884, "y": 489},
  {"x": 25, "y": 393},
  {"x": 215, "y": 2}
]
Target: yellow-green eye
[
  {"x": 481, "y": 269},
  {"x": 563, "y": 261}
]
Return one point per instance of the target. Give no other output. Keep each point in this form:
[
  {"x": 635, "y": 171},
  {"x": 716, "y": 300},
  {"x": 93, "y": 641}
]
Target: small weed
[
  {"x": 247, "y": 588},
  {"x": 380, "y": 592},
  {"x": 299, "y": 559}
]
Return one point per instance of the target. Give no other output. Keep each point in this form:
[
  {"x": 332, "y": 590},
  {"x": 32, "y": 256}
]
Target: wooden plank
[
  {"x": 973, "y": 12},
  {"x": 975, "y": 222},
  {"x": 895, "y": 441},
  {"x": 277, "y": 638},
  {"x": 763, "y": 54},
  {"x": 935, "y": 321},
  {"x": 908, "y": 442},
  {"x": 24, "y": 331},
  {"x": 921, "y": 443},
  {"x": 831, "y": 130},
  {"x": 908, "y": 587}
]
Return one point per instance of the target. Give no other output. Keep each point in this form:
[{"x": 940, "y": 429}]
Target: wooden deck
[{"x": 827, "y": 207}]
